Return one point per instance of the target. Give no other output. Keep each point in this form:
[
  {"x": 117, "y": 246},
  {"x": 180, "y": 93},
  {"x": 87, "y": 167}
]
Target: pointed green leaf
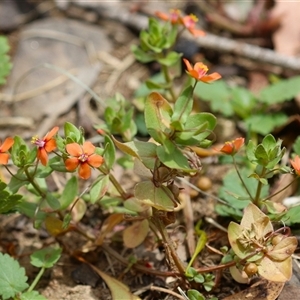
[
  {"x": 159, "y": 197},
  {"x": 69, "y": 193},
  {"x": 183, "y": 106},
  {"x": 157, "y": 115},
  {"x": 99, "y": 188},
  {"x": 172, "y": 157},
  {"x": 144, "y": 151}
]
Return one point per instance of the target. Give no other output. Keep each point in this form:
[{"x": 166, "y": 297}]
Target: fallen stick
[{"x": 138, "y": 22}]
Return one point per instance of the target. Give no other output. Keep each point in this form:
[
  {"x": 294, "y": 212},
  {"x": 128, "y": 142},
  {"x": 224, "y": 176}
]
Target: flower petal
[
  {"x": 71, "y": 163},
  {"x": 296, "y": 164},
  {"x": 162, "y": 16},
  {"x": 227, "y": 148},
  {"x": 238, "y": 143},
  {"x": 188, "y": 65},
  {"x": 50, "y": 134},
  {"x": 74, "y": 149},
  {"x": 42, "y": 156},
  {"x": 7, "y": 144},
  {"x": 84, "y": 171},
  {"x": 50, "y": 145},
  {"x": 88, "y": 148},
  {"x": 196, "y": 32},
  {"x": 4, "y": 158},
  {"x": 211, "y": 77},
  {"x": 95, "y": 160}
]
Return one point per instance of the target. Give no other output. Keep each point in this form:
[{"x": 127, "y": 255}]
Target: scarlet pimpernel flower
[
  {"x": 84, "y": 157},
  {"x": 45, "y": 145},
  {"x": 189, "y": 22},
  {"x": 296, "y": 164},
  {"x": 199, "y": 72},
  {"x": 233, "y": 147},
  {"x": 175, "y": 17},
  {"x": 4, "y": 148}
]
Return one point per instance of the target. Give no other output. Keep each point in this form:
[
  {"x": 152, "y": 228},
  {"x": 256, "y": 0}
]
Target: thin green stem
[
  {"x": 34, "y": 184},
  {"x": 37, "y": 279},
  {"x": 259, "y": 187},
  {"x": 168, "y": 81},
  {"x": 241, "y": 179},
  {"x": 118, "y": 187},
  {"x": 278, "y": 192},
  {"x": 169, "y": 245},
  {"x": 115, "y": 183}
]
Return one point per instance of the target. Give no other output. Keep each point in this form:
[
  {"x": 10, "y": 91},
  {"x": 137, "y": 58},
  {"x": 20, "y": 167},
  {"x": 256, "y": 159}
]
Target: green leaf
[
  {"x": 265, "y": 123},
  {"x": 72, "y": 133},
  {"x": 154, "y": 85},
  {"x": 144, "y": 91},
  {"x": 69, "y": 193},
  {"x": 172, "y": 157},
  {"x": 20, "y": 152},
  {"x": 5, "y": 65},
  {"x": 99, "y": 188},
  {"x": 195, "y": 295},
  {"x": 197, "y": 128},
  {"x": 58, "y": 166},
  {"x": 141, "y": 55},
  {"x": 31, "y": 210},
  {"x": 183, "y": 106},
  {"x": 250, "y": 151},
  {"x": 45, "y": 258},
  {"x": 8, "y": 201},
  {"x": 233, "y": 189},
  {"x": 269, "y": 142},
  {"x": 144, "y": 151},
  {"x": 296, "y": 146},
  {"x": 157, "y": 115},
  {"x": 292, "y": 216},
  {"x": 281, "y": 91},
  {"x": 12, "y": 277},
  {"x": 159, "y": 197},
  {"x": 243, "y": 102},
  {"x": 171, "y": 59},
  {"x": 52, "y": 201},
  {"x": 261, "y": 155},
  {"x": 33, "y": 295},
  {"x": 218, "y": 94},
  {"x": 109, "y": 152}
]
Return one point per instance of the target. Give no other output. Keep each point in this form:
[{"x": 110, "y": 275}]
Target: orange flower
[
  {"x": 199, "y": 72},
  {"x": 84, "y": 157},
  {"x": 174, "y": 16},
  {"x": 45, "y": 145},
  {"x": 233, "y": 147},
  {"x": 4, "y": 148},
  {"x": 189, "y": 22},
  {"x": 296, "y": 164}
]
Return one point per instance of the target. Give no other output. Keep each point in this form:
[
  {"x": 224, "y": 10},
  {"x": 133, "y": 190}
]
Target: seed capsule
[{"x": 251, "y": 269}]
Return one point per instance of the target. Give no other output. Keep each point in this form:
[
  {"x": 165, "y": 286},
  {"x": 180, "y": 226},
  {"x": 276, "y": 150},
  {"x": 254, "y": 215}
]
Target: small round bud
[
  {"x": 277, "y": 239},
  {"x": 204, "y": 183},
  {"x": 251, "y": 269}
]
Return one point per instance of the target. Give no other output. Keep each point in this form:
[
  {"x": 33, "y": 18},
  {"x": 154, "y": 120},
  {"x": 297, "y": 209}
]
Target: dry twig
[{"x": 210, "y": 41}]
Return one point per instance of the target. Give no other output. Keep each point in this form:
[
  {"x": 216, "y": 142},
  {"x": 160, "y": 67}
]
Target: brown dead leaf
[
  {"x": 135, "y": 234},
  {"x": 262, "y": 290},
  {"x": 117, "y": 288},
  {"x": 286, "y": 38}
]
